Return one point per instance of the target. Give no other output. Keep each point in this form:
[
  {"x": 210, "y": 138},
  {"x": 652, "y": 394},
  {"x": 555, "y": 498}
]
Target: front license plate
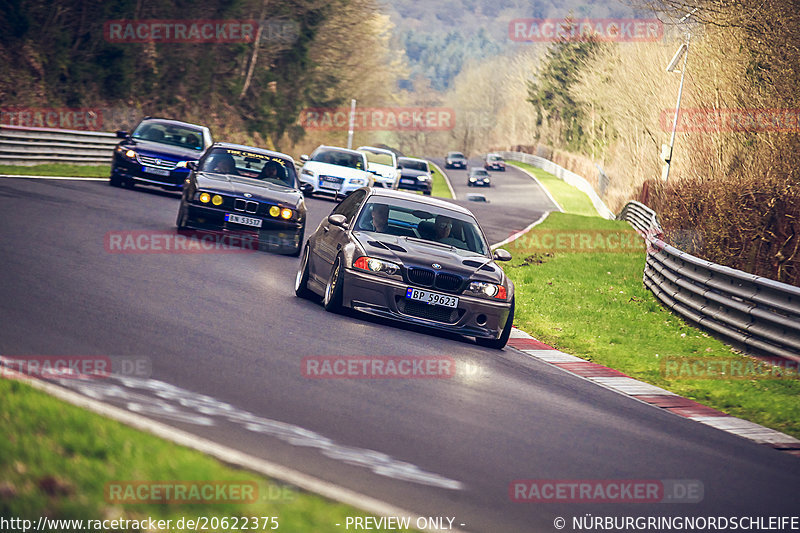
[
  {"x": 156, "y": 171},
  {"x": 433, "y": 298},
  {"x": 330, "y": 183},
  {"x": 247, "y": 221},
  {"x": 408, "y": 182}
]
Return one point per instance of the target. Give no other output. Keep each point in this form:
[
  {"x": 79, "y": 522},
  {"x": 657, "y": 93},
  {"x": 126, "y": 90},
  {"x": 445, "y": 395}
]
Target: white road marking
[{"x": 71, "y": 178}]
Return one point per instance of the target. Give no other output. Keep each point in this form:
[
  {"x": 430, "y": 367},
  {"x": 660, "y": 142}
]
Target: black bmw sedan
[
  {"x": 411, "y": 258},
  {"x": 246, "y": 191}
]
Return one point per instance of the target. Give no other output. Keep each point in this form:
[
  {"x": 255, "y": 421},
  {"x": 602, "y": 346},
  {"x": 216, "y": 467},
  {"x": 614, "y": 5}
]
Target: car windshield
[
  {"x": 411, "y": 164},
  {"x": 456, "y": 155},
  {"x": 171, "y": 134},
  {"x": 495, "y": 158},
  {"x": 479, "y": 172},
  {"x": 336, "y": 157},
  {"x": 404, "y": 218},
  {"x": 379, "y": 158},
  {"x": 254, "y": 165}
]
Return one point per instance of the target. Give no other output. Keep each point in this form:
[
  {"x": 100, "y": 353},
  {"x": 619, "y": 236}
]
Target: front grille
[
  {"x": 421, "y": 276},
  {"x": 427, "y": 311},
  {"x": 447, "y": 282},
  {"x": 156, "y": 162},
  {"x": 245, "y": 205}
]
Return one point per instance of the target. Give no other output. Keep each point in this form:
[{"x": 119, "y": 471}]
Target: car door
[{"x": 330, "y": 239}]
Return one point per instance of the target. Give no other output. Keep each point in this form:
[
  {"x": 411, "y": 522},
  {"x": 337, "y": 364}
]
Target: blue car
[{"x": 156, "y": 153}]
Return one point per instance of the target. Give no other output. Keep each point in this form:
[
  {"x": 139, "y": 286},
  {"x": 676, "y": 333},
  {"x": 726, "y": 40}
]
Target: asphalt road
[{"x": 226, "y": 336}]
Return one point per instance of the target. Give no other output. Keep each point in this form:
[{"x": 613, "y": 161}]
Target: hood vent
[
  {"x": 387, "y": 246},
  {"x": 476, "y": 264}
]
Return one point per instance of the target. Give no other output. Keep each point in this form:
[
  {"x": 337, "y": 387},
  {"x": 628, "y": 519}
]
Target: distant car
[
  {"x": 156, "y": 153},
  {"x": 415, "y": 175},
  {"x": 473, "y": 197},
  {"x": 478, "y": 177},
  {"x": 335, "y": 171},
  {"x": 247, "y": 191},
  {"x": 455, "y": 160},
  {"x": 410, "y": 258},
  {"x": 494, "y": 162},
  {"x": 384, "y": 164}
]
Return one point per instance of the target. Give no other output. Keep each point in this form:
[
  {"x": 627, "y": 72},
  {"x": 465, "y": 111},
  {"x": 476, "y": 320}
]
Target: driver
[
  {"x": 223, "y": 164},
  {"x": 271, "y": 171},
  {"x": 444, "y": 225}
]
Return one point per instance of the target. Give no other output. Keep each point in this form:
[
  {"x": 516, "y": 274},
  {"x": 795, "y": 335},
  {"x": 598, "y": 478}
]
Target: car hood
[
  {"x": 334, "y": 170},
  {"x": 411, "y": 173},
  {"x": 383, "y": 170},
  {"x": 238, "y": 186},
  {"x": 152, "y": 149},
  {"x": 414, "y": 252}
]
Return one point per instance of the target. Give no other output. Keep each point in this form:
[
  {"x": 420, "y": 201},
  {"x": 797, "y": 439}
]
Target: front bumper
[
  {"x": 126, "y": 169},
  {"x": 415, "y": 185},
  {"x": 375, "y": 295},
  {"x": 280, "y": 236},
  {"x": 454, "y": 164}
]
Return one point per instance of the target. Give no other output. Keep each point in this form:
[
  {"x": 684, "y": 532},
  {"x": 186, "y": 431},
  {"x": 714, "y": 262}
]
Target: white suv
[
  {"x": 335, "y": 171},
  {"x": 384, "y": 164}
]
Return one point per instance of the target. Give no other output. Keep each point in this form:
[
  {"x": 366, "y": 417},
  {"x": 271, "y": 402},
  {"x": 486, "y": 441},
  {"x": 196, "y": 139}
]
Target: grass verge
[
  {"x": 56, "y": 459},
  {"x": 595, "y": 306},
  {"x": 440, "y": 187},
  {"x": 59, "y": 169},
  {"x": 568, "y": 197}
]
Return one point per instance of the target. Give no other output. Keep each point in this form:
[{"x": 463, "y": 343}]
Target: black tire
[
  {"x": 426, "y": 193},
  {"x": 183, "y": 217},
  {"x": 114, "y": 181},
  {"x": 499, "y": 344},
  {"x": 301, "y": 289},
  {"x": 332, "y": 299}
]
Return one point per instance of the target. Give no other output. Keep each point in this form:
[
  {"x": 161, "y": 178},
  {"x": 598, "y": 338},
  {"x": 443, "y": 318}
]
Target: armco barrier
[
  {"x": 757, "y": 312},
  {"x": 34, "y": 146},
  {"x": 567, "y": 176}
]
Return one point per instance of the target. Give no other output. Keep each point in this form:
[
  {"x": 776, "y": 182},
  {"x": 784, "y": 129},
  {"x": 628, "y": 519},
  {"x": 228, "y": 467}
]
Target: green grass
[
  {"x": 440, "y": 188},
  {"x": 568, "y": 197},
  {"x": 55, "y": 460},
  {"x": 59, "y": 169},
  {"x": 595, "y": 306}
]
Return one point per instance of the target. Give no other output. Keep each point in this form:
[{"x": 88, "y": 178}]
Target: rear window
[{"x": 336, "y": 157}]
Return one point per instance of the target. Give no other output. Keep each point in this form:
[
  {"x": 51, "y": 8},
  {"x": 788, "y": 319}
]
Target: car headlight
[
  {"x": 204, "y": 197},
  {"x": 307, "y": 172},
  {"x": 424, "y": 178},
  {"x": 472, "y": 179},
  {"x": 371, "y": 264},
  {"x": 358, "y": 181},
  {"x": 216, "y": 199},
  {"x": 130, "y": 154},
  {"x": 488, "y": 289},
  {"x": 286, "y": 213}
]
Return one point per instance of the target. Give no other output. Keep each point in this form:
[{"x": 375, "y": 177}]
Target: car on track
[
  {"x": 410, "y": 258},
  {"x": 494, "y": 161},
  {"x": 156, "y": 152},
  {"x": 335, "y": 171},
  {"x": 383, "y": 163},
  {"x": 455, "y": 160},
  {"x": 247, "y": 191},
  {"x": 415, "y": 175},
  {"x": 478, "y": 177}
]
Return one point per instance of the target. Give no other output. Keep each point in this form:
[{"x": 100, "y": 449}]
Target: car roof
[
  {"x": 413, "y": 159},
  {"x": 375, "y": 149},
  {"x": 174, "y": 122},
  {"x": 339, "y": 148},
  {"x": 251, "y": 149},
  {"x": 426, "y": 200},
  {"x": 455, "y": 153}
]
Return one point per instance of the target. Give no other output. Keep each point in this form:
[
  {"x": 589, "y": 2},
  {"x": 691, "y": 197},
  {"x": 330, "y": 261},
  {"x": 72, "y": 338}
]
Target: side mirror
[
  {"x": 338, "y": 220},
  {"x": 122, "y": 134},
  {"x": 306, "y": 188},
  {"x": 191, "y": 165},
  {"x": 501, "y": 255},
  {"x": 304, "y": 157}
]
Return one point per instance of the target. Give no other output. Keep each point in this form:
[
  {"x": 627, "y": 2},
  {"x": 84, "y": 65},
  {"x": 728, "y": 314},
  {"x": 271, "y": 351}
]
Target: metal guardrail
[
  {"x": 34, "y": 146},
  {"x": 565, "y": 175},
  {"x": 757, "y": 312}
]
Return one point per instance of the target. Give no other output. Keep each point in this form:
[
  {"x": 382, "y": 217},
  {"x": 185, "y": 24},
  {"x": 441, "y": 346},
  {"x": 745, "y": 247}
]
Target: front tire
[
  {"x": 183, "y": 217},
  {"x": 499, "y": 343},
  {"x": 332, "y": 299},
  {"x": 301, "y": 289}
]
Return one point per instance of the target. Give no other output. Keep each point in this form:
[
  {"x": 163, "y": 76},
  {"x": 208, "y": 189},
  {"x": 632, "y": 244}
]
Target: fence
[
  {"x": 756, "y": 312},
  {"x": 34, "y": 146},
  {"x": 563, "y": 174}
]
